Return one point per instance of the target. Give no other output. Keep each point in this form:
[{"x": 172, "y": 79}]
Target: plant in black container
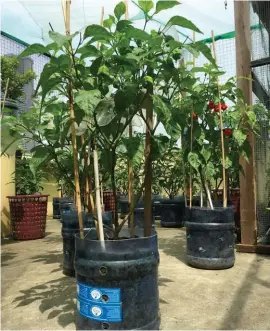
[
  {"x": 132, "y": 72},
  {"x": 171, "y": 178},
  {"x": 210, "y": 230}
]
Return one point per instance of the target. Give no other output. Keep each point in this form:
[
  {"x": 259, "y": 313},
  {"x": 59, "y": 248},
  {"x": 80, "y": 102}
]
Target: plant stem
[{"x": 116, "y": 224}]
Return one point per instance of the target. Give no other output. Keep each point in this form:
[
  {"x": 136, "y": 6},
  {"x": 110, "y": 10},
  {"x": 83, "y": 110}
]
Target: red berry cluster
[
  {"x": 195, "y": 116},
  {"x": 217, "y": 107},
  {"x": 227, "y": 132}
]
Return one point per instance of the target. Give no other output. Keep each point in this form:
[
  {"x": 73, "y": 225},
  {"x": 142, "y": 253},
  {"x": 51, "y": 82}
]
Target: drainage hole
[
  {"x": 105, "y": 326},
  {"x": 105, "y": 298},
  {"x": 103, "y": 271}
]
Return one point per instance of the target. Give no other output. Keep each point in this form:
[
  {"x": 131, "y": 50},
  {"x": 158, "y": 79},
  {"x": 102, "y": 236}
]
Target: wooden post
[
  {"x": 148, "y": 164},
  {"x": 247, "y": 182},
  {"x": 130, "y": 168},
  {"x": 66, "y": 12},
  {"x": 221, "y": 132}
]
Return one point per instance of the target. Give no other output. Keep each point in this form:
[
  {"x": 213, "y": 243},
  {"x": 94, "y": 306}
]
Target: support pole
[
  {"x": 130, "y": 168},
  {"x": 247, "y": 182},
  {"x": 66, "y": 13}
]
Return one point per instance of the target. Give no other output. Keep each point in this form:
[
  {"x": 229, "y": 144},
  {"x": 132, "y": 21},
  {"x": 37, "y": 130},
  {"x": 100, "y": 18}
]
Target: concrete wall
[
  {"x": 51, "y": 189},
  {"x": 7, "y": 168}
]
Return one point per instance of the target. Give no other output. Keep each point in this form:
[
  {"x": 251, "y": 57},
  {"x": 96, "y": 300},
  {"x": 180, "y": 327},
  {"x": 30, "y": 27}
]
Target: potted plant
[
  {"x": 28, "y": 209},
  {"x": 120, "y": 272},
  {"x": 170, "y": 172},
  {"x": 214, "y": 127}
]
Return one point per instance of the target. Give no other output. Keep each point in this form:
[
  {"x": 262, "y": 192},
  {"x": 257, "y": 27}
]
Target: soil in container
[
  {"x": 210, "y": 237},
  {"x": 117, "y": 284}
]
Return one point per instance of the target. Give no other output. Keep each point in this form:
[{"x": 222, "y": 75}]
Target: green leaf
[
  {"x": 146, "y": 5},
  {"x": 206, "y": 51},
  {"x": 119, "y": 10},
  {"x": 206, "y": 154},
  {"x": 33, "y": 49},
  {"x": 160, "y": 145},
  {"x": 239, "y": 136},
  {"x": 137, "y": 34},
  {"x": 134, "y": 149},
  {"x": 163, "y": 5},
  {"x": 41, "y": 151},
  {"x": 228, "y": 162},
  {"x": 104, "y": 70},
  {"x": 88, "y": 51},
  {"x": 98, "y": 32},
  {"x": 105, "y": 112},
  {"x": 49, "y": 85},
  {"x": 194, "y": 160},
  {"x": 59, "y": 39},
  {"x": 183, "y": 22},
  {"x": 88, "y": 100},
  {"x": 121, "y": 25},
  {"x": 162, "y": 110},
  {"x": 108, "y": 23}
]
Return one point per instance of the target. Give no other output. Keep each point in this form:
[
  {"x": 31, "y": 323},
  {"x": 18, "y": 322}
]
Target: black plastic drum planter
[
  {"x": 156, "y": 205},
  {"x": 56, "y": 208},
  {"x": 172, "y": 213},
  {"x": 70, "y": 226},
  {"x": 210, "y": 237},
  {"x": 117, "y": 284}
]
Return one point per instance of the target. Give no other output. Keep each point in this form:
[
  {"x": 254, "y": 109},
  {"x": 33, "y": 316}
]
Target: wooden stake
[
  {"x": 98, "y": 202},
  {"x": 221, "y": 132},
  {"x": 247, "y": 181},
  {"x": 101, "y": 23},
  {"x": 66, "y": 13},
  {"x": 148, "y": 164},
  {"x": 130, "y": 168},
  {"x": 191, "y": 140}
]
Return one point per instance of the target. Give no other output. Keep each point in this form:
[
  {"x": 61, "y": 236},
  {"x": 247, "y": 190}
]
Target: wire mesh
[{"x": 260, "y": 47}]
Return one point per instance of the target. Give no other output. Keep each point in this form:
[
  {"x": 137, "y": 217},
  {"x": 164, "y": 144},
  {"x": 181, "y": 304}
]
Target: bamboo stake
[
  {"x": 130, "y": 168},
  {"x": 191, "y": 140},
  {"x": 98, "y": 202},
  {"x": 101, "y": 23},
  {"x": 221, "y": 132},
  {"x": 66, "y": 13}
]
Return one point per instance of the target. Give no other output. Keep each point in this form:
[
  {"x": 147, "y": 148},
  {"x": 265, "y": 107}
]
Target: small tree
[{"x": 16, "y": 80}]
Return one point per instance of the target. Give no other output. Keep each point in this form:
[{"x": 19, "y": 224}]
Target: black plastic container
[
  {"x": 156, "y": 205},
  {"x": 139, "y": 218},
  {"x": 66, "y": 205},
  {"x": 56, "y": 208},
  {"x": 210, "y": 237},
  {"x": 70, "y": 226},
  {"x": 117, "y": 284},
  {"x": 172, "y": 213}
]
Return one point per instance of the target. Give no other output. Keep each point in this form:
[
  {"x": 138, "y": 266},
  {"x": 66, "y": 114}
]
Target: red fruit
[
  {"x": 224, "y": 106},
  {"x": 227, "y": 132},
  {"x": 211, "y": 105},
  {"x": 216, "y": 109},
  {"x": 248, "y": 134},
  {"x": 195, "y": 116}
]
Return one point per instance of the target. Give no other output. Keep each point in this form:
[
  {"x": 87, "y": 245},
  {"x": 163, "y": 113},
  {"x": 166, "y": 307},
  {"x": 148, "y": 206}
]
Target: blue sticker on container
[{"x": 101, "y": 304}]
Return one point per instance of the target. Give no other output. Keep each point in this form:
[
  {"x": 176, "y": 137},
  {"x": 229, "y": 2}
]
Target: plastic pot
[
  {"x": 117, "y": 284},
  {"x": 28, "y": 216},
  {"x": 56, "y": 208},
  {"x": 210, "y": 237},
  {"x": 172, "y": 212},
  {"x": 70, "y": 226}
]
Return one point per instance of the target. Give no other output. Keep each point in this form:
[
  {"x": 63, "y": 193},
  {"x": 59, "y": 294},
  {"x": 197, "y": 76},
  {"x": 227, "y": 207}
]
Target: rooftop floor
[{"x": 36, "y": 295}]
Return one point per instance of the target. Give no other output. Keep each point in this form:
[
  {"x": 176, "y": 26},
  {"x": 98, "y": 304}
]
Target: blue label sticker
[{"x": 102, "y": 304}]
